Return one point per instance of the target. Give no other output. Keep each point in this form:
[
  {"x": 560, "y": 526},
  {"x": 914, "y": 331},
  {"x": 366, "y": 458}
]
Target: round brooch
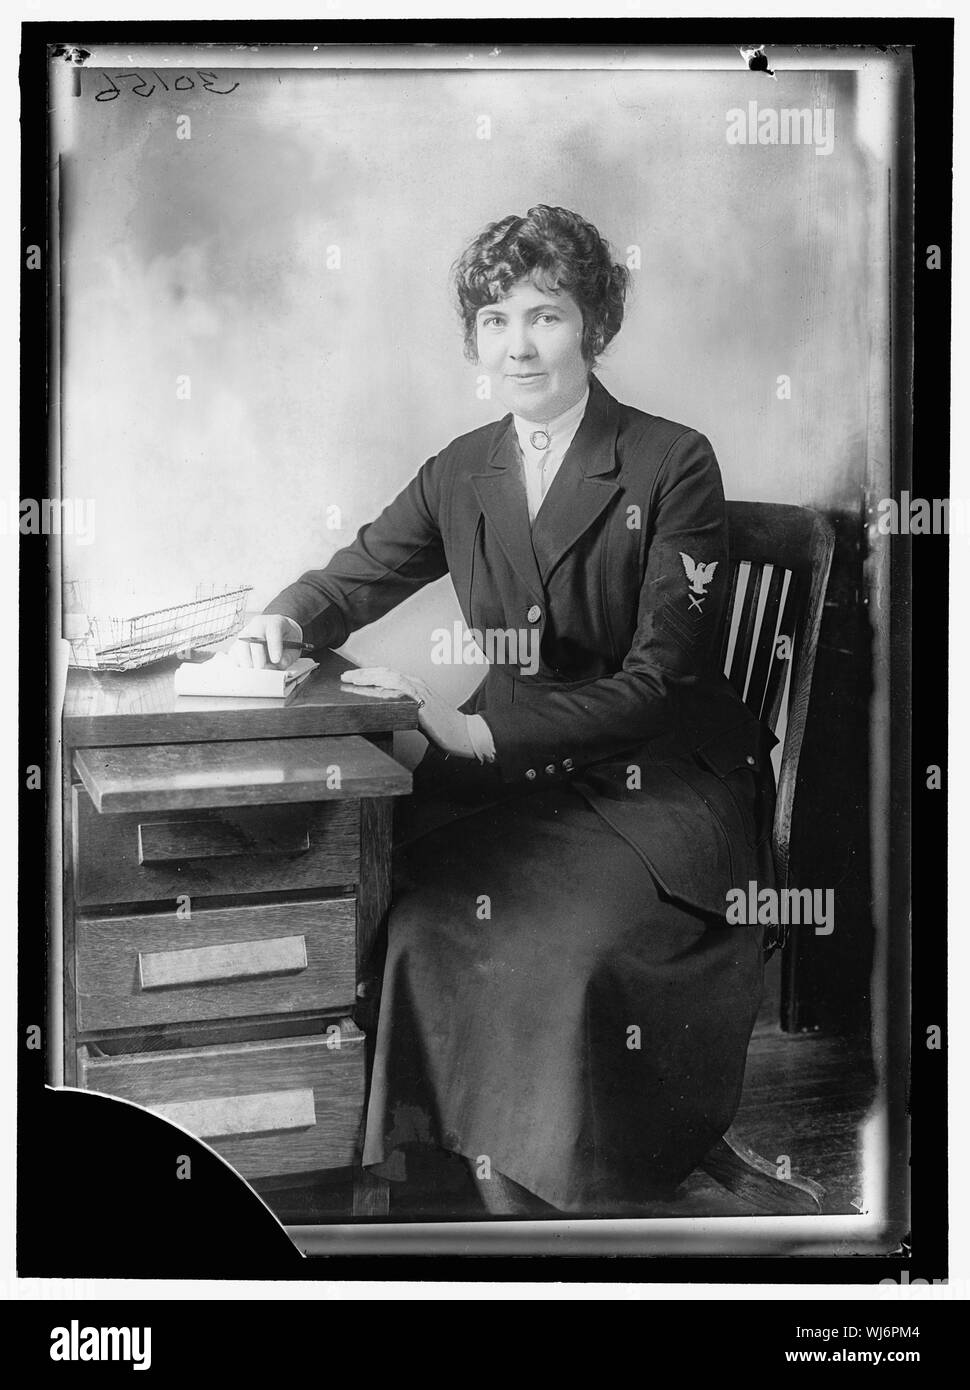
[{"x": 539, "y": 439}]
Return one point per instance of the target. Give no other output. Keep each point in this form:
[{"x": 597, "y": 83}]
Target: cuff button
[
  {"x": 749, "y": 760},
  {"x": 567, "y": 764},
  {"x": 550, "y": 769},
  {"x": 531, "y": 774}
]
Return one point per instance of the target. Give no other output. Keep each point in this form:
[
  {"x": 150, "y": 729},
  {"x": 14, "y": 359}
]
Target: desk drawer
[
  {"x": 159, "y": 855},
  {"x": 230, "y": 963},
  {"x": 273, "y": 1108}
]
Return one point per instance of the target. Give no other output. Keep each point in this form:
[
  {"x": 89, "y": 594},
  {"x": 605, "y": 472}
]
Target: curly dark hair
[{"x": 556, "y": 249}]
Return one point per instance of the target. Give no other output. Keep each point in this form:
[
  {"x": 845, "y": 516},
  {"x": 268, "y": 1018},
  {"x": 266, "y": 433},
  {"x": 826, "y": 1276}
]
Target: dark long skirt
[{"x": 546, "y": 1011}]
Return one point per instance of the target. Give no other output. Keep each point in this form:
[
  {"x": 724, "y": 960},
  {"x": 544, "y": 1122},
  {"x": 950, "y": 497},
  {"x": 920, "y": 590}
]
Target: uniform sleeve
[
  {"x": 551, "y": 732},
  {"x": 391, "y": 558}
]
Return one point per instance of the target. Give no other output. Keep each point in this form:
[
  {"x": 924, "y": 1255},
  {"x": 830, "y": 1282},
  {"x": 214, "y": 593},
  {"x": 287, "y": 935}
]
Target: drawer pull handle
[
  {"x": 233, "y": 960},
  {"x": 166, "y": 842},
  {"x": 267, "y": 1112}
]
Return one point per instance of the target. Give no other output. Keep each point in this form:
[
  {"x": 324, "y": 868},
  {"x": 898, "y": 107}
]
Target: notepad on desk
[{"x": 221, "y": 677}]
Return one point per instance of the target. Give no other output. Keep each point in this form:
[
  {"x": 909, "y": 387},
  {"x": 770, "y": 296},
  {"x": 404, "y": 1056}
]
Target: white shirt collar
[{"x": 563, "y": 427}]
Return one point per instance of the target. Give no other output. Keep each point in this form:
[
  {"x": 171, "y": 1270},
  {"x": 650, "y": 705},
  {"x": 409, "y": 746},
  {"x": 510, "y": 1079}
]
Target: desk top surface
[{"x": 128, "y": 707}]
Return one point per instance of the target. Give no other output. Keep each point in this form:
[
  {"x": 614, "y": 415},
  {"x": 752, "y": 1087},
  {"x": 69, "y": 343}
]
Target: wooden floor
[{"x": 805, "y": 1098}]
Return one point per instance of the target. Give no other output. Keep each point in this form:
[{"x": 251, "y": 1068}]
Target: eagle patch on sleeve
[{"x": 698, "y": 577}]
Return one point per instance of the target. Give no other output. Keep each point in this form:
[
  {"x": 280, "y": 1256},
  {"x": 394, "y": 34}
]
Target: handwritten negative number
[{"x": 182, "y": 83}]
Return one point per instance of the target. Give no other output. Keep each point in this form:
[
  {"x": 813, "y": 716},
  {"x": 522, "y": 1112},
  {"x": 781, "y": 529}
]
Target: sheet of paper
[{"x": 221, "y": 677}]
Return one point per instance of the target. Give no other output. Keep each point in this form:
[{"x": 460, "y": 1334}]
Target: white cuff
[{"x": 481, "y": 738}]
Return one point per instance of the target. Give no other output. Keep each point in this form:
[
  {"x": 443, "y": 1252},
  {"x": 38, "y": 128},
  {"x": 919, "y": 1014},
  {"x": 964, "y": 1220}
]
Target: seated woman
[{"x": 564, "y": 1004}]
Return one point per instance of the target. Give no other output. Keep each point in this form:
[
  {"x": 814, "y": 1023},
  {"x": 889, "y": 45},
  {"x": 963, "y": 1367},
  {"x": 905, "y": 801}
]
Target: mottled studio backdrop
[{"x": 287, "y": 265}]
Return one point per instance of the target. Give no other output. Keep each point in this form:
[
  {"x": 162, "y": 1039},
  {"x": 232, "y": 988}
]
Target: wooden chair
[{"x": 780, "y": 558}]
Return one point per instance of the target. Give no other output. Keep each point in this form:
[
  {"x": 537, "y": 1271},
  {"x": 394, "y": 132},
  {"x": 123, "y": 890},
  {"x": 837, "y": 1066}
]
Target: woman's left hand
[{"x": 437, "y": 720}]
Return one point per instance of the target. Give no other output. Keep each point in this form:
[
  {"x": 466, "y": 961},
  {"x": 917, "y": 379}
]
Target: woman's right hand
[{"x": 270, "y": 631}]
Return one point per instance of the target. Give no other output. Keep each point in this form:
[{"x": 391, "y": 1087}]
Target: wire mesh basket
[{"x": 124, "y": 644}]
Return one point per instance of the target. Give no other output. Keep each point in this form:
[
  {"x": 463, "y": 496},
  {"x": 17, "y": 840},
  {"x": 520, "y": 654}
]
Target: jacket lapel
[
  {"x": 501, "y": 492},
  {"x": 580, "y": 490},
  {"x": 578, "y": 493}
]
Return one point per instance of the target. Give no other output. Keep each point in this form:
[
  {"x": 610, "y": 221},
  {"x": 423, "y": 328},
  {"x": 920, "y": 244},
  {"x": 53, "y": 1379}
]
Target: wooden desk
[{"x": 226, "y": 882}]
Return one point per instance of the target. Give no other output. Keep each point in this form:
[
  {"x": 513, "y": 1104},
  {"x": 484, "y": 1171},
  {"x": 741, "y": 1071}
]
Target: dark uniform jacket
[{"x": 624, "y": 576}]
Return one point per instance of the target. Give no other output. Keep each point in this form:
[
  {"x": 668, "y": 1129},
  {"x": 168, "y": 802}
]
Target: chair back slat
[
  {"x": 779, "y": 562},
  {"x": 729, "y": 634},
  {"x": 749, "y": 586},
  {"x": 761, "y": 647},
  {"x": 789, "y": 624},
  {"x": 765, "y": 646}
]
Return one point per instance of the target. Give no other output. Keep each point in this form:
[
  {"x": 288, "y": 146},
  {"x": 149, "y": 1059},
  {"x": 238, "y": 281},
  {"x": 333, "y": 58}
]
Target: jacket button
[
  {"x": 749, "y": 760},
  {"x": 550, "y": 769},
  {"x": 531, "y": 774},
  {"x": 534, "y": 613},
  {"x": 567, "y": 764}
]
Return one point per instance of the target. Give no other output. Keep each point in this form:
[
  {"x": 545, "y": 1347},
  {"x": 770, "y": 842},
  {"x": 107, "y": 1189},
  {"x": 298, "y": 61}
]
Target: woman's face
[{"x": 530, "y": 343}]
